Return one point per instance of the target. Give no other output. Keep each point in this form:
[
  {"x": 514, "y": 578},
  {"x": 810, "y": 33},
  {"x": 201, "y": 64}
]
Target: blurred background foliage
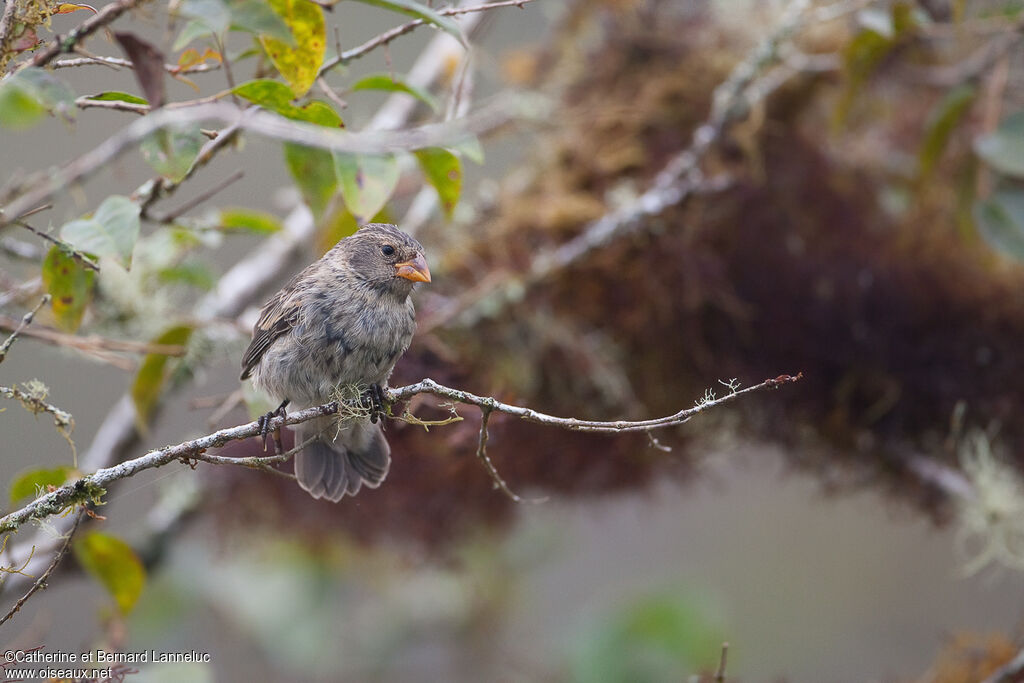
[{"x": 868, "y": 232}]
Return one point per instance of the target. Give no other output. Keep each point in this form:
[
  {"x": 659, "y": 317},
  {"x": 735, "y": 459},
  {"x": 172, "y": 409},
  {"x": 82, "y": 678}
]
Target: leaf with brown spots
[
  {"x": 70, "y": 284},
  {"x": 298, "y": 64}
]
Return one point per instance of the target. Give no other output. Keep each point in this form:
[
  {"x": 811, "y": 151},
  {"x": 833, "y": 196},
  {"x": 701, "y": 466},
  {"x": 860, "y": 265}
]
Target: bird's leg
[
  {"x": 373, "y": 399},
  {"x": 264, "y": 424}
]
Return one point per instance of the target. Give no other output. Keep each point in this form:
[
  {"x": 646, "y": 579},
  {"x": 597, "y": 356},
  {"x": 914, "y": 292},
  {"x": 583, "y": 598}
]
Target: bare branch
[
  {"x": 680, "y": 179},
  {"x": 481, "y": 453},
  {"x": 92, "y": 343},
  {"x": 92, "y": 487},
  {"x": 25, "y": 251},
  {"x": 391, "y": 34},
  {"x": 161, "y": 187},
  {"x": 270, "y": 125},
  {"x": 26, "y": 320},
  {"x": 41, "y": 581},
  {"x": 118, "y": 62}
]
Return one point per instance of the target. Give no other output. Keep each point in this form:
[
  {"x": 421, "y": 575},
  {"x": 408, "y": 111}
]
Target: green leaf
[
  {"x": 193, "y": 29},
  {"x": 471, "y": 148},
  {"x": 313, "y": 171},
  {"x": 389, "y": 84},
  {"x": 115, "y": 96},
  {"x": 1000, "y": 220},
  {"x": 111, "y": 231},
  {"x": 256, "y": 16},
  {"x": 28, "y": 94},
  {"x": 152, "y": 375},
  {"x": 941, "y": 122},
  {"x": 300, "y": 61},
  {"x": 366, "y": 181},
  {"x": 339, "y": 224},
  {"x": 19, "y": 107},
  {"x": 320, "y": 113},
  {"x": 269, "y": 94},
  {"x": 259, "y": 222},
  {"x": 190, "y": 273},
  {"x": 1003, "y": 149},
  {"x": 652, "y": 640},
  {"x": 443, "y": 170},
  {"x": 55, "y": 95},
  {"x": 114, "y": 564},
  {"x": 70, "y": 284},
  {"x": 278, "y": 98},
  {"x": 28, "y": 483},
  {"x": 861, "y": 57},
  {"x": 172, "y": 151},
  {"x": 213, "y": 14},
  {"x": 418, "y": 11}
]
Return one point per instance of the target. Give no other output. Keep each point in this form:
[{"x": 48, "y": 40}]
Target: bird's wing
[{"x": 278, "y": 316}]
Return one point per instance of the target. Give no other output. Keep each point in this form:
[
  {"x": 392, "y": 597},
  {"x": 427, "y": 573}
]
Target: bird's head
[{"x": 383, "y": 256}]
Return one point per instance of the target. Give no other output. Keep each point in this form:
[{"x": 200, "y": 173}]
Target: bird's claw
[
  {"x": 374, "y": 400},
  {"x": 264, "y": 422}
]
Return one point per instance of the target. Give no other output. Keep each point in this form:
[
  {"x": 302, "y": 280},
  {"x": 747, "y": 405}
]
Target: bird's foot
[
  {"x": 374, "y": 400},
  {"x": 264, "y": 424}
]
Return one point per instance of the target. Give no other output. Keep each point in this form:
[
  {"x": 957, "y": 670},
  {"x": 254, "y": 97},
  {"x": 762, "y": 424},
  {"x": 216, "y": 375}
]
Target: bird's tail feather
[{"x": 339, "y": 462}]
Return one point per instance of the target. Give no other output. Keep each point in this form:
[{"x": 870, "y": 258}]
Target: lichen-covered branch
[
  {"x": 60, "y": 45},
  {"x": 92, "y": 487}
]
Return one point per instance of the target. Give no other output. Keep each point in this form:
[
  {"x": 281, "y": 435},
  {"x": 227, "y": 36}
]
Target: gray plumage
[{"x": 344, "y": 320}]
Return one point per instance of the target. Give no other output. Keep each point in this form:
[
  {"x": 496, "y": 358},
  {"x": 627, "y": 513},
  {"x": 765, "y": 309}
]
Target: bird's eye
[{"x": 387, "y": 250}]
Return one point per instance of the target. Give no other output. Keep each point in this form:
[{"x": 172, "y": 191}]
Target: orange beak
[{"x": 415, "y": 270}]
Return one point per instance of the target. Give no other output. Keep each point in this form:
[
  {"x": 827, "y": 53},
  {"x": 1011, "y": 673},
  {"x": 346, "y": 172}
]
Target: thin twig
[
  {"x": 71, "y": 251},
  {"x": 91, "y": 487},
  {"x": 720, "y": 674},
  {"x": 200, "y": 198},
  {"x": 41, "y": 581},
  {"x": 481, "y": 453},
  {"x": 33, "y": 212},
  {"x": 120, "y": 62},
  {"x": 161, "y": 187},
  {"x": 26, "y": 320},
  {"x": 33, "y": 399}
]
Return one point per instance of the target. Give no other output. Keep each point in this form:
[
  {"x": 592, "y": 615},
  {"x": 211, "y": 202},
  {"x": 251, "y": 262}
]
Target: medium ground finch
[{"x": 343, "y": 321}]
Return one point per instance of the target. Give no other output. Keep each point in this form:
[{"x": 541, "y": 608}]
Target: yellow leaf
[
  {"x": 299, "y": 64},
  {"x": 114, "y": 564},
  {"x": 68, "y": 8},
  {"x": 191, "y": 57},
  {"x": 153, "y": 373}
]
